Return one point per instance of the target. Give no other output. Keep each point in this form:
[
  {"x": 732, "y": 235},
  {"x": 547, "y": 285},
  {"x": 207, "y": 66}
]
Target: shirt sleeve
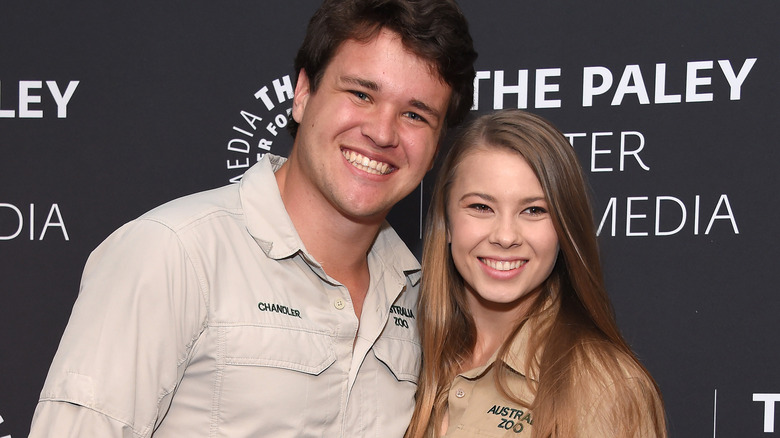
[
  {"x": 54, "y": 418},
  {"x": 139, "y": 312}
]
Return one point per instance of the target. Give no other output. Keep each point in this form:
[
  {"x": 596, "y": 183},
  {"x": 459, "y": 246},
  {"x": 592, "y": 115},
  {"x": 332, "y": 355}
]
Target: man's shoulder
[
  {"x": 195, "y": 208},
  {"x": 169, "y": 222}
]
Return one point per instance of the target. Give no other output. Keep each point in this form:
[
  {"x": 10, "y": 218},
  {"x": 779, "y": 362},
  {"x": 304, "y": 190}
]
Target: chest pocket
[
  {"x": 401, "y": 356},
  {"x": 296, "y": 349},
  {"x": 269, "y": 371}
]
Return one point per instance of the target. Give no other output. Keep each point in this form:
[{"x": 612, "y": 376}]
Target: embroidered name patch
[{"x": 278, "y": 308}]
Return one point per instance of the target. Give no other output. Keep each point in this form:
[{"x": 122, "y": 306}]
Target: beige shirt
[
  {"x": 476, "y": 408},
  {"x": 206, "y": 317}
]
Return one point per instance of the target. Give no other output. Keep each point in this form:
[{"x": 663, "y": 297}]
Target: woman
[{"x": 518, "y": 333}]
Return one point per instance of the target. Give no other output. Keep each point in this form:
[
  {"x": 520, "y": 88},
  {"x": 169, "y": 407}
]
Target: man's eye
[
  {"x": 415, "y": 116},
  {"x": 360, "y": 95}
]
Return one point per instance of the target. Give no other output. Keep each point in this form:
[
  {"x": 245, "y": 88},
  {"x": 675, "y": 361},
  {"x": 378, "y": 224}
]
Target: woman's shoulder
[
  {"x": 603, "y": 366},
  {"x": 614, "y": 391}
]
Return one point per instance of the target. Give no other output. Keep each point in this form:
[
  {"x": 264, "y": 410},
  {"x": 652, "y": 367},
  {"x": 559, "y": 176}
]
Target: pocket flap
[
  {"x": 290, "y": 348},
  {"x": 401, "y": 356}
]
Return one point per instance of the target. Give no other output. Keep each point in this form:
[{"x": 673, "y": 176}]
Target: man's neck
[
  {"x": 328, "y": 235},
  {"x": 339, "y": 243}
]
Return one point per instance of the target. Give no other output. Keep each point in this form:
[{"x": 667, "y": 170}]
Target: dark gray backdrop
[{"x": 157, "y": 113}]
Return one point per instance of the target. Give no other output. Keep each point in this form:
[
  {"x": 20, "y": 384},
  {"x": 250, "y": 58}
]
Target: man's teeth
[
  {"x": 366, "y": 164},
  {"x": 503, "y": 265}
]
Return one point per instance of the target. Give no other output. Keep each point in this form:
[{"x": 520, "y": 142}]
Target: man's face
[{"x": 369, "y": 133}]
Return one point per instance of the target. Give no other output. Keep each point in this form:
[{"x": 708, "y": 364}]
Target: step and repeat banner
[{"x": 110, "y": 109}]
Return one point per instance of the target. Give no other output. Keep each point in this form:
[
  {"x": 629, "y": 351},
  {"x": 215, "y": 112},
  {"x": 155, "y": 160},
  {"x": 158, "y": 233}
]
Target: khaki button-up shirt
[
  {"x": 207, "y": 317},
  {"x": 476, "y": 407}
]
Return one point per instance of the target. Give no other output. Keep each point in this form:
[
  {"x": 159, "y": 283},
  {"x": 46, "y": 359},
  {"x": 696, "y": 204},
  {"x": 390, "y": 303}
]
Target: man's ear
[{"x": 301, "y": 97}]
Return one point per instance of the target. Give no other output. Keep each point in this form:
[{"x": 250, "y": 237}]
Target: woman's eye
[
  {"x": 536, "y": 211},
  {"x": 482, "y": 208}
]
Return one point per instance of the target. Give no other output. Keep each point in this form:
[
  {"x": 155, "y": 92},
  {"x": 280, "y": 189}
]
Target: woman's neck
[{"x": 494, "y": 323}]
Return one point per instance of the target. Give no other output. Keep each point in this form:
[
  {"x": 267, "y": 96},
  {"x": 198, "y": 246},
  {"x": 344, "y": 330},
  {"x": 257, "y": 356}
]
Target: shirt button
[
  {"x": 460, "y": 393},
  {"x": 339, "y": 304}
]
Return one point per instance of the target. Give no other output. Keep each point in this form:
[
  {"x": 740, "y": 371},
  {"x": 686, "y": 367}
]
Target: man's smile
[{"x": 366, "y": 164}]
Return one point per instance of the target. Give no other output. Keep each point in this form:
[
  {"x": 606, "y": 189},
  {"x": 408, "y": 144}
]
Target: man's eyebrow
[
  {"x": 422, "y": 106},
  {"x": 371, "y": 85}
]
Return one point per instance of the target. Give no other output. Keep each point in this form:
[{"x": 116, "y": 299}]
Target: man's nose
[{"x": 381, "y": 127}]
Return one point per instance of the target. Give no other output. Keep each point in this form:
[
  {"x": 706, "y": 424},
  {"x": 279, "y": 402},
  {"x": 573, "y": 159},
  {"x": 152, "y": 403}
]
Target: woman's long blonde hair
[{"x": 583, "y": 338}]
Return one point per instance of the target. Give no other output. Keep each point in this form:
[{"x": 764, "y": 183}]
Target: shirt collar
[
  {"x": 270, "y": 224},
  {"x": 517, "y": 357},
  {"x": 266, "y": 217},
  {"x": 394, "y": 255}
]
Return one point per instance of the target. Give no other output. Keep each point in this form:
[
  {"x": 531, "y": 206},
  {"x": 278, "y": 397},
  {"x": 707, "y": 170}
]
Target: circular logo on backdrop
[
  {"x": 1, "y": 422},
  {"x": 261, "y": 127}
]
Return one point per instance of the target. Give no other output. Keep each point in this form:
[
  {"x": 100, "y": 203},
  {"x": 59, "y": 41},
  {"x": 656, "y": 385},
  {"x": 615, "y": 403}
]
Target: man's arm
[{"x": 139, "y": 311}]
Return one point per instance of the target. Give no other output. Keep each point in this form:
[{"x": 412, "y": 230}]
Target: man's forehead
[{"x": 371, "y": 37}]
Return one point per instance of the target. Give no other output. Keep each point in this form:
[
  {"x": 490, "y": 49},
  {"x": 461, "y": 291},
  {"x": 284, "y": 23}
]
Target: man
[{"x": 282, "y": 306}]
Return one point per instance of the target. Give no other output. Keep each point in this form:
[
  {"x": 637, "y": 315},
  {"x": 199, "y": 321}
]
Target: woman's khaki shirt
[{"x": 477, "y": 408}]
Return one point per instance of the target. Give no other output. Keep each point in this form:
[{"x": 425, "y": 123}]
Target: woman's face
[{"x": 502, "y": 237}]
